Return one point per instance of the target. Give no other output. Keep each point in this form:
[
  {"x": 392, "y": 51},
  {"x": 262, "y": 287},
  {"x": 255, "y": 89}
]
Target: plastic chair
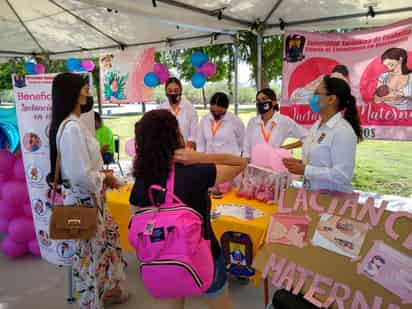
[{"x": 116, "y": 155}]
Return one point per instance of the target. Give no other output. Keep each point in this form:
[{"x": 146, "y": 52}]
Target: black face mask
[
  {"x": 264, "y": 106},
  {"x": 173, "y": 98},
  {"x": 88, "y": 106},
  {"x": 217, "y": 116}
]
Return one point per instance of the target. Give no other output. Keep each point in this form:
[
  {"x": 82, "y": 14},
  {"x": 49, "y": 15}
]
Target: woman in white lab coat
[
  {"x": 183, "y": 110},
  {"x": 98, "y": 266},
  {"x": 329, "y": 151},
  {"x": 220, "y": 131},
  {"x": 270, "y": 126}
]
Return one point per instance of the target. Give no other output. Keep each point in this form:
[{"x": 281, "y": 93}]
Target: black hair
[
  {"x": 397, "y": 54},
  {"x": 66, "y": 89},
  {"x": 173, "y": 80},
  {"x": 157, "y": 137},
  {"x": 342, "y": 69},
  {"x": 220, "y": 99},
  {"x": 346, "y": 102},
  {"x": 270, "y": 94}
]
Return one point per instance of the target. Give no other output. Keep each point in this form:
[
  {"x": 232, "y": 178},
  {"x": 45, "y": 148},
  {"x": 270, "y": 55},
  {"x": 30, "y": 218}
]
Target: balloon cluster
[
  {"x": 160, "y": 75},
  {"x": 32, "y": 68},
  {"x": 204, "y": 69},
  {"x": 77, "y": 65},
  {"x": 16, "y": 219}
]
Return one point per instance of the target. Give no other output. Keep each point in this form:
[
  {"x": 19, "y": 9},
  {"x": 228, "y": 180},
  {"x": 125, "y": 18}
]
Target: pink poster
[
  {"x": 377, "y": 64},
  {"x": 389, "y": 268},
  {"x": 122, "y": 76}
]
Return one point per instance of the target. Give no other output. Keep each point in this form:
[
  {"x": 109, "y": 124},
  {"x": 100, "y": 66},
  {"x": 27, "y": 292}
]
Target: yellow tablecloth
[{"x": 118, "y": 203}]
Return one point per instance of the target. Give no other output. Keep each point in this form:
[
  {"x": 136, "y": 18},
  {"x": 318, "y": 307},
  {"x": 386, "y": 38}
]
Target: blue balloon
[
  {"x": 151, "y": 80},
  {"x": 73, "y": 64},
  {"x": 198, "y": 80},
  {"x": 9, "y": 133},
  {"x": 29, "y": 68},
  {"x": 198, "y": 59}
]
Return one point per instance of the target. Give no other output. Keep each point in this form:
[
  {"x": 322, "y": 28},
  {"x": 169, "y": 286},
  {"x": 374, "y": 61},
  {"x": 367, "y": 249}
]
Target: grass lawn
[{"x": 381, "y": 166}]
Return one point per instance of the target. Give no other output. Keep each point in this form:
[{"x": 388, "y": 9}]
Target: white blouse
[
  {"x": 187, "y": 118},
  {"x": 329, "y": 154},
  {"x": 81, "y": 160},
  {"x": 277, "y": 130},
  {"x": 223, "y": 136}
]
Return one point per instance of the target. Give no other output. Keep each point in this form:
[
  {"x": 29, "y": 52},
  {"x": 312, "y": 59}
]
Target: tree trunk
[{"x": 204, "y": 98}]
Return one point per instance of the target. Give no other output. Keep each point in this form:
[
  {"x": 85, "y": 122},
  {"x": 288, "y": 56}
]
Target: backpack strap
[{"x": 170, "y": 197}]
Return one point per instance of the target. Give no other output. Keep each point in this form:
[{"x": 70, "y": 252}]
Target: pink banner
[
  {"x": 377, "y": 65},
  {"x": 122, "y": 76}
]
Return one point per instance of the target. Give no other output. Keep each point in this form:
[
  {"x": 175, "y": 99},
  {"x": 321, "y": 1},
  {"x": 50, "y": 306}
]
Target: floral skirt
[{"x": 98, "y": 264}]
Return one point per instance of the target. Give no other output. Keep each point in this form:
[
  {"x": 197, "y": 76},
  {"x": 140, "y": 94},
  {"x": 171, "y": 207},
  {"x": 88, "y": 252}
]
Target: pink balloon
[
  {"x": 265, "y": 155},
  {"x": 130, "y": 148},
  {"x": 15, "y": 193},
  {"x": 13, "y": 249},
  {"x": 27, "y": 210},
  {"x": 88, "y": 65},
  {"x": 21, "y": 229},
  {"x": 208, "y": 68},
  {"x": 18, "y": 170},
  {"x": 6, "y": 161},
  {"x": 4, "y": 224},
  {"x": 34, "y": 247},
  {"x": 39, "y": 68},
  {"x": 163, "y": 77},
  {"x": 160, "y": 68},
  {"x": 9, "y": 211}
]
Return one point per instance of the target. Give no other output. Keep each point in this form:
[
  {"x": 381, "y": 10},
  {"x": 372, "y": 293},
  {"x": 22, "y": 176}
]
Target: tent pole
[
  {"x": 236, "y": 77},
  {"x": 259, "y": 61}
]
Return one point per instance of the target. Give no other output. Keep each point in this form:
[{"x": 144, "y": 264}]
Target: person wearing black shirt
[{"x": 159, "y": 144}]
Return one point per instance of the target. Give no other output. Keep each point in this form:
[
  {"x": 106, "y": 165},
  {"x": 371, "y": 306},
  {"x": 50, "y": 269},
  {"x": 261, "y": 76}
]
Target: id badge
[{"x": 148, "y": 230}]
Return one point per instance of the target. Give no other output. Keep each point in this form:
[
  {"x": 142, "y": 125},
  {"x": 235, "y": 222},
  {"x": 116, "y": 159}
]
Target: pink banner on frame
[
  {"x": 122, "y": 76},
  {"x": 377, "y": 64}
]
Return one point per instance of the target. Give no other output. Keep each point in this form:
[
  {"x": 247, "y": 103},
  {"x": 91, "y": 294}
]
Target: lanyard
[
  {"x": 266, "y": 135},
  {"x": 214, "y": 126}
]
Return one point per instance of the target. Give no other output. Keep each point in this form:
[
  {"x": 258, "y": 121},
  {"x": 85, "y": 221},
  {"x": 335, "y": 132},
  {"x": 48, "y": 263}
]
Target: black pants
[{"x": 283, "y": 299}]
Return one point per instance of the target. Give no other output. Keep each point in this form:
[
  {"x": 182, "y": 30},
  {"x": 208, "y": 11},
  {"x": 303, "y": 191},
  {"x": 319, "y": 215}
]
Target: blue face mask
[{"x": 314, "y": 104}]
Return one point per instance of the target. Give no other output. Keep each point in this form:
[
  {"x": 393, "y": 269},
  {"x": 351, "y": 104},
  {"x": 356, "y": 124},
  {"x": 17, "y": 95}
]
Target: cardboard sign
[{"x": 377, "y": 243}]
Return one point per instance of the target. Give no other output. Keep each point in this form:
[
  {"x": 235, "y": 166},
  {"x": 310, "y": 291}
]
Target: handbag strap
[{"x": 57, "y": 168}]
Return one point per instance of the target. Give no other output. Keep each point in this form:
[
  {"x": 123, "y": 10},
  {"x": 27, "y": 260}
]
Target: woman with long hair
[
  {"x": 183, "y": 110},
  {"x": 329, "y": 151},
  {"x": 270, "y": 126},
  {"x": 395, "y": 86},
  {"x": 98, "y": 266},
  {"x": 159, "y": 146}
]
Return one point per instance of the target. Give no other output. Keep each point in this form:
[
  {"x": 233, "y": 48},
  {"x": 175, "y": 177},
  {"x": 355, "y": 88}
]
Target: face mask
[
  {"x": 264, "y": 107},
  {"x": 173, "y": 98},
  {"x": 88, "y": 106},
  {"x": 217, "y": 116},
  {"x": 314, "y": 104}
]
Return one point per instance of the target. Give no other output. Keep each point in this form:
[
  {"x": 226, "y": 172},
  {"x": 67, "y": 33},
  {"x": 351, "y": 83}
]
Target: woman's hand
[
  {"x": 294, "y": 166},
  {"x": 111, "y": 182}
]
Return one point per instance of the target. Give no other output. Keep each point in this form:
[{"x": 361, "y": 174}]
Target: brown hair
[{"x": 397, "y": 54}]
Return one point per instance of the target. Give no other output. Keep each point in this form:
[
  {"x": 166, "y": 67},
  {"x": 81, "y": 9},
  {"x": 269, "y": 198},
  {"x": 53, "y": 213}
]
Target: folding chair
[{"x": 116, "y": 155}]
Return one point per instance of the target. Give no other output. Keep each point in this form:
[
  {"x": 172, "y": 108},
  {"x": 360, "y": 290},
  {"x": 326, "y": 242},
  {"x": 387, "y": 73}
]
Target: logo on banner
[
  {"x": 31, "y": 142},
  {"x": 65, "y": 249},
  {"x": 294, "y": 46}
]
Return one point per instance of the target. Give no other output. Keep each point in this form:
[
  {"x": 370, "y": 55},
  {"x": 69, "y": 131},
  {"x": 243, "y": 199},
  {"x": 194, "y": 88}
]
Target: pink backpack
[{"x": 176, "y": 260}]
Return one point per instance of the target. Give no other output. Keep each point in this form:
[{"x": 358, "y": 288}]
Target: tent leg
[
  {"x": 236, "y": 77},
  {"x": 70, "y": 298},
  {"x": 259, "y": 61}
]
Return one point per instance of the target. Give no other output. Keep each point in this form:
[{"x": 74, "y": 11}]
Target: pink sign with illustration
[
  {"x": 288, "y": 230},
  {"x": 377, "y": 65},
  {"x": 390, "y": 269}
]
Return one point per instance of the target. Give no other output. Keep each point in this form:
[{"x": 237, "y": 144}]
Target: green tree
[{"x": 272, "y": 51}]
